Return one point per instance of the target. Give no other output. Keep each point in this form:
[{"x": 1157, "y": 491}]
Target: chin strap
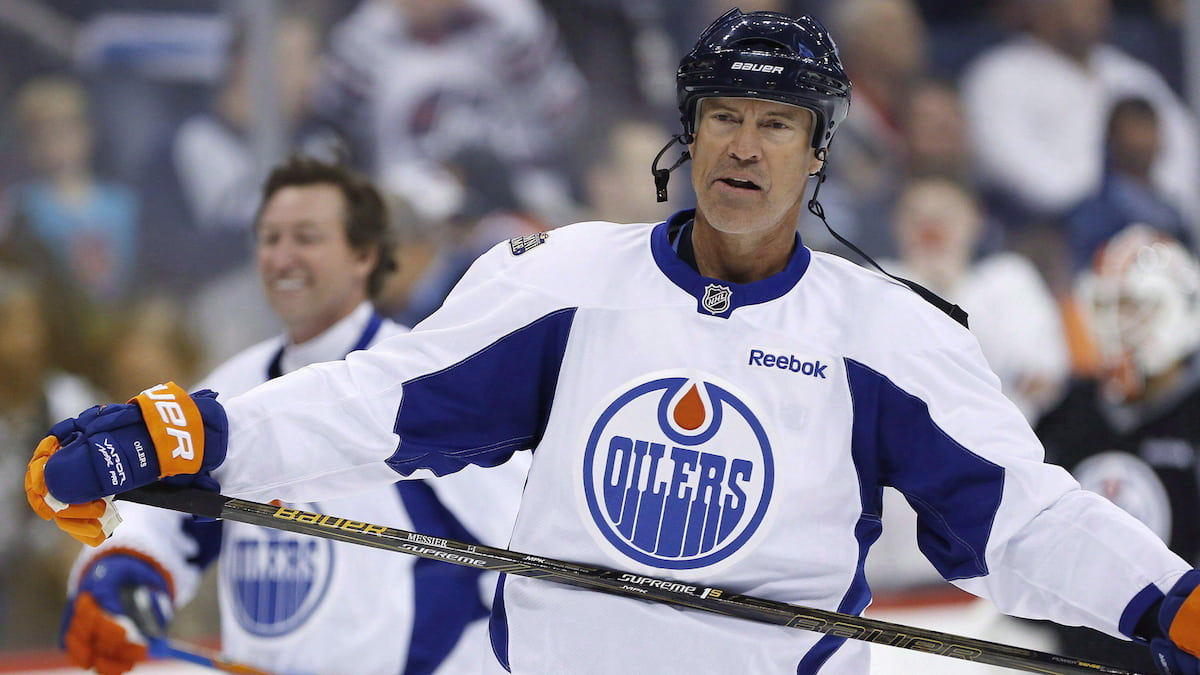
[
  {"x": 952, "y": 310},
  {"x": 661, "y": 176}
]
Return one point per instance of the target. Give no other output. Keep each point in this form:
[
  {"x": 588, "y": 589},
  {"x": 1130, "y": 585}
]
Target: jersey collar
[{"x": 715, "y": 297}]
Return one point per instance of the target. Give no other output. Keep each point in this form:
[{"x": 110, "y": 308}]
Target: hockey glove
[
  {"x": 109, "y": 449},
  {"x": 123, "y": 599},
  {"x": 1179, "y": 619}
]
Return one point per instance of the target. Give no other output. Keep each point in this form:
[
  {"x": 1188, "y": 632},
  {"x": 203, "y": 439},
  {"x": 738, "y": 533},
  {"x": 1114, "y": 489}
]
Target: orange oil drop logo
[{"x": 689, "y": 411}]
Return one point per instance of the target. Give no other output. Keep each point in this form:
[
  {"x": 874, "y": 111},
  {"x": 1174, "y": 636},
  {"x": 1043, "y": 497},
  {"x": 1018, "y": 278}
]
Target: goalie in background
[{"x": 1132, "y": 433}]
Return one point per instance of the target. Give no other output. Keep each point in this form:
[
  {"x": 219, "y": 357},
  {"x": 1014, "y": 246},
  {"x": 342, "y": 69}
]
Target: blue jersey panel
[
  {"x": 505, "y": 389},
  {"x": 955, "y": 492},
  {"x": 445, "y": 597}
]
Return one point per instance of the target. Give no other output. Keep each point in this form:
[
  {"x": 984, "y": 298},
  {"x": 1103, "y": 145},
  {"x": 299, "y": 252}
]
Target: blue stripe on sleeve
[
  {"x": 445, "y": 596},
  {"x": 955, "y": 492},
  {"x": 1141, "y": 602},
  {"x": 485, "y": 407}
]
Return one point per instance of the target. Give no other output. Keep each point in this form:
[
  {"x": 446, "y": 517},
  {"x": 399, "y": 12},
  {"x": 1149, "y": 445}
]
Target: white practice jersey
[
  {"x": 712, "y": 433},
  {"x": 296, "y": 604}
]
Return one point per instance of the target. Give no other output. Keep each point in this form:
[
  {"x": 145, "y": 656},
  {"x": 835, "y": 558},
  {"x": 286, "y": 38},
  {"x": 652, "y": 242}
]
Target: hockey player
[
  {"x": 1133, "y": 434},
  {"x": 706, "y": 399},
  {"x": 291, "y": 603}
]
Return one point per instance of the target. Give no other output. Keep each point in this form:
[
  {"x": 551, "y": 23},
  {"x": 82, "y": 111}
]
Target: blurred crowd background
[{"x": 992, "y": 147}]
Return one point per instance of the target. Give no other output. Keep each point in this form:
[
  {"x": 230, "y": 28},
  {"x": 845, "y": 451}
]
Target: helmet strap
[
  {"x": 952, "y": 310},
  {"x": 662, "y": 176}
]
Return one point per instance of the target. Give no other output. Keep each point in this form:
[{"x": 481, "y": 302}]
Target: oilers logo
[
  {"x": 274, "y": 580},
  {"x": 677, "y": 472}
]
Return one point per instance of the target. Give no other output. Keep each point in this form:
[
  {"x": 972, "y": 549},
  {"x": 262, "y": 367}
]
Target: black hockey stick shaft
[{"x": 704, "y": 598}]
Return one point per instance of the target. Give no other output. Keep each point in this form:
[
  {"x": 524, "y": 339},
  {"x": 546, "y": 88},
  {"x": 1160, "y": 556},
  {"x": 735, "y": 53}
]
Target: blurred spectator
[
  {"x": 154, "y": 344},
  {"x": 1037, "y": 107},
  {"x": 488, "y": 213},
  {"x": 938, "y": 224},
  {"x": 201, "y": 185},
  {"x": 884, "y": 49},
  {"x": 625, "y": 53},
  {"x": 1133, "y": 435},
  {"x": 617, "y": 183},
  {"x": 33, "y": 394},
  {"x": 1127, "y": 195},
  {"x": 935, "y": 133},
  {"x": 1152, "y": 31},
  {"x": 617, "y": 188},
  {"x": 34, "y": 39},
  {"x": 87, "y": 227},
  {"x": 423, "y": 81}
]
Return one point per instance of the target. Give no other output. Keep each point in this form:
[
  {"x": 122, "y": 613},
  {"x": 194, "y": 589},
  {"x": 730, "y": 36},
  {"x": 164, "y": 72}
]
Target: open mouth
[
  {"x": 740, "y": 184},
  {"x": 288, "y": 284}
]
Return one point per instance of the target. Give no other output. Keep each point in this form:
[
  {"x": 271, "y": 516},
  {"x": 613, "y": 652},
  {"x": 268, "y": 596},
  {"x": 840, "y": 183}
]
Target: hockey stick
[
  {"x": 138, "y": 606},
  {"x": 163, "y": 648},
  {"x": 715, "y": 600}
]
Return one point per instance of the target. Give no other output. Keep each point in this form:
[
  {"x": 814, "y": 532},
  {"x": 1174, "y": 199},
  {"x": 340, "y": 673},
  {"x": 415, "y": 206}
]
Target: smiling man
[
  {"x": 288, "y": 603},
  {"x": 706, "y": 400}
]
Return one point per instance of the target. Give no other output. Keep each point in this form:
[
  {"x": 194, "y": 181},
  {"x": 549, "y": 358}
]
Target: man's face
[
  {"x": 311, "y": 275},
  {"x": 750, "y": 162}
]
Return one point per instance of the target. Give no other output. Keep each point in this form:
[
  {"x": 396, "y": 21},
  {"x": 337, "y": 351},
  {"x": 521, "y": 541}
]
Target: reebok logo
[{"x": 788, "y": 362}]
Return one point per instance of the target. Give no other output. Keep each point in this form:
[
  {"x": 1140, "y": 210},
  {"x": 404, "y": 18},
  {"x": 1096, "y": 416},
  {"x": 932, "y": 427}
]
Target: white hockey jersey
[
  {"x": 735, "y": 435},
  {"x": 299, "y": 605}
]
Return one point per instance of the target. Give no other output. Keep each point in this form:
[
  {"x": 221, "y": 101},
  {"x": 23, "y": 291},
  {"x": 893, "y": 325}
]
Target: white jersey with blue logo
[
  {"x": 734, "y": 435},
  {"x": 298, "y": 605}
]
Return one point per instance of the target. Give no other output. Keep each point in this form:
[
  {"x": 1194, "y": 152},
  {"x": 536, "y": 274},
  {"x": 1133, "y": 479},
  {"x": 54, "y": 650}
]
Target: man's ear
[{"x": 817, "y": 162}]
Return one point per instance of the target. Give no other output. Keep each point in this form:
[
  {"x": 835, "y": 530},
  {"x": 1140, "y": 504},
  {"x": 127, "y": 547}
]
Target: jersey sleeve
[
  {"x": 994, "y": 518},
  {"x": 470, "y": 386}
]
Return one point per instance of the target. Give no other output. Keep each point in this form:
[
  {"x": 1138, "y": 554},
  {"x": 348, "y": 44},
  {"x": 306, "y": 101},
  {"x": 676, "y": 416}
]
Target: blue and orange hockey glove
[
  {"x": 1177, "y": 648},
  {"x": 123, "y": 599},
  {"x": 110, "y": 449}
]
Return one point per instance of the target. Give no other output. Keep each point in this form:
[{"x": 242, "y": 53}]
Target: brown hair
[{"x": 366, "y": 212}]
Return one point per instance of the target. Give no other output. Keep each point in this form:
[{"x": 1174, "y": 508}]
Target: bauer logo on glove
[{"x": 106, "y": 450}]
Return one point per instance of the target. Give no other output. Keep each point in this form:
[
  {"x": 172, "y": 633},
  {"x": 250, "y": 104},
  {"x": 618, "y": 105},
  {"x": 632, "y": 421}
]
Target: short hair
[
  {"x": 1134, "y": 107},
  {"x": 50, "y": 96},
  {"x": 366, "y": 220}
]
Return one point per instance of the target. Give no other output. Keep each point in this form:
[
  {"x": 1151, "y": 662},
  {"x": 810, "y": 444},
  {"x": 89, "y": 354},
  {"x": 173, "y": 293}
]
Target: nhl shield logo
[{"x": 716, "y": 298}]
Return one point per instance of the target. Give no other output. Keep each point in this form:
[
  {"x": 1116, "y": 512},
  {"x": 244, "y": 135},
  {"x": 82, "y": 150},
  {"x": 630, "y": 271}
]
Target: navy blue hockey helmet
[{"x": 771, "y": 56}]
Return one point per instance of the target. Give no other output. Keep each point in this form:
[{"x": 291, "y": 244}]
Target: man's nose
[
  {"x": 746, "y": 144},
  {"x": 276, "y": 256}
]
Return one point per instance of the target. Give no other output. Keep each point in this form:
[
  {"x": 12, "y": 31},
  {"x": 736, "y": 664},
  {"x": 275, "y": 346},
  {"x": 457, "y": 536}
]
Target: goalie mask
[{"x": 1141, "y": 298}]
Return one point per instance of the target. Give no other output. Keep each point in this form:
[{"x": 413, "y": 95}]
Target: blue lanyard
[{"x": 276, "y": 369}]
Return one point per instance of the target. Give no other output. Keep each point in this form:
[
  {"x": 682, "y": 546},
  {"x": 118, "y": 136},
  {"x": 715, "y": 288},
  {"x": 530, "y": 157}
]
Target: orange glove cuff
[
  {"x": 1185, "y": 628},
  {"x": 175, "y": 426}
]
